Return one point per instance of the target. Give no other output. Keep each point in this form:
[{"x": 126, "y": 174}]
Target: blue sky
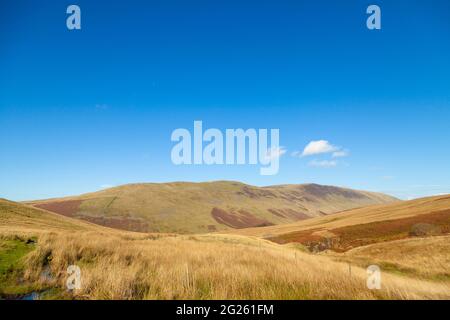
[{"x": 85, "y": 109}]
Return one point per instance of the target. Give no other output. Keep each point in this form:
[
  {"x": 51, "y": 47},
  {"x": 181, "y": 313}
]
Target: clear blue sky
[{"x": 81, "y": 110}]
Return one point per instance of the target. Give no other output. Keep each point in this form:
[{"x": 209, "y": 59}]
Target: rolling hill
[
  {"x": 364, "y": 226},
  {"x": 36, "y": 248},
  {"x": 16, "y": 217},
  {"x": 184, "y": 207}
]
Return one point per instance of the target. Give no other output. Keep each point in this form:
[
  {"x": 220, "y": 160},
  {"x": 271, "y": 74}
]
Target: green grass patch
[{"x": 12, "y": 252}]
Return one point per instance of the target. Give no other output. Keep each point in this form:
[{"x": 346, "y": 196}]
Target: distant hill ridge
[{"x": 187, "y": 207}]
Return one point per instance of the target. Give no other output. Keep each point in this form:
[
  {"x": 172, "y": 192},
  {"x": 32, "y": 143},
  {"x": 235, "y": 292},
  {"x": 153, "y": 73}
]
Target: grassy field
[
  {"x": 125, "y": 265},
  {"x": 184, "y": 207},
  {"x": 12, "y": 253},
  {"x": 424, "y": 258}
]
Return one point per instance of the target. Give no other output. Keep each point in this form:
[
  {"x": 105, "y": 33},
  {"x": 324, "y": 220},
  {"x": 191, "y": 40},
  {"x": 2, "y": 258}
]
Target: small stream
[
  {"x": 31, "y": 296},
  {"x": 35, "y": 295}
]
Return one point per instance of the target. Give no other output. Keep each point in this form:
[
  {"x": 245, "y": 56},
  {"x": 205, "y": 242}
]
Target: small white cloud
[
  {"x": 387, "y": 177},
  {"x": 275, "y": 152},
  {"x": 296, "y": 154},
  {"x": 318, "y": 147},
  {"x": 323, "y": 163},
  {"x": 340, "y": 154}
]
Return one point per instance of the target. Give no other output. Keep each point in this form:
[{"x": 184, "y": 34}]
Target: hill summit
[{"x": 186, "y": 207}]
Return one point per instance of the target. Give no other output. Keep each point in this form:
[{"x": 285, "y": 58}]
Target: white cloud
[
  {"x": 323, "y": 163},
  {"x": 318, "y": 147},
  {"x": 275, "y": 152},
  {"x": 340, "y": 154}
]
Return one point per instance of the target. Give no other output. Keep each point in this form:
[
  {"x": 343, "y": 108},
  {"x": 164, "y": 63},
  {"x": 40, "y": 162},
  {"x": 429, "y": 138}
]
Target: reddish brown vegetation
[
  {"x": 349, "y": 237},
  {"x": 363, "y": 234},
  {"x": 238, "y": 218},
  {"x": 67, "y": 208},
  {"x": 128, "y": 223},
  {"x": 70, "y": 208}
]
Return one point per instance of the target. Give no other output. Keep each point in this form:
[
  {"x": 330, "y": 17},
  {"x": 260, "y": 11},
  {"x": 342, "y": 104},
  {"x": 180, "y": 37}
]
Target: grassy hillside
[
  {"x": 205, "y": 207},
  {"x": 125, "y": 265},
  {"x": 421, "y": 257},
  {"x": 14, "y": 217},
  {"x": 357, "y": 227},
  {"x": 20, "y": 226}
]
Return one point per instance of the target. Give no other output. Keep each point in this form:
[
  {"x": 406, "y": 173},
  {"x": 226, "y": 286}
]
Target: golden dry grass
[
  {"x": 427, "y": 258},
  {"x": 203, "y": 267},
  {"x": 125, "y": 265}
]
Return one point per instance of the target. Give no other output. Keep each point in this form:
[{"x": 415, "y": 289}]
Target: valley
[{"x": 270, "y": 262}]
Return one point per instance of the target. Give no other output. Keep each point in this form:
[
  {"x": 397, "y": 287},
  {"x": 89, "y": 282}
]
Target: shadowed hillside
[{"x": 184, "y": 207}]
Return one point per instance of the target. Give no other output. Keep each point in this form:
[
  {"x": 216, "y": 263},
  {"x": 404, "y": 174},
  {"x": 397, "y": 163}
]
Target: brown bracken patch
[
  {"x": 67, "y": 208},
  {"x": 238, "y": 219},
  {"x": 363, "y": 234},
  {"x": 70, "y": 208}
]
